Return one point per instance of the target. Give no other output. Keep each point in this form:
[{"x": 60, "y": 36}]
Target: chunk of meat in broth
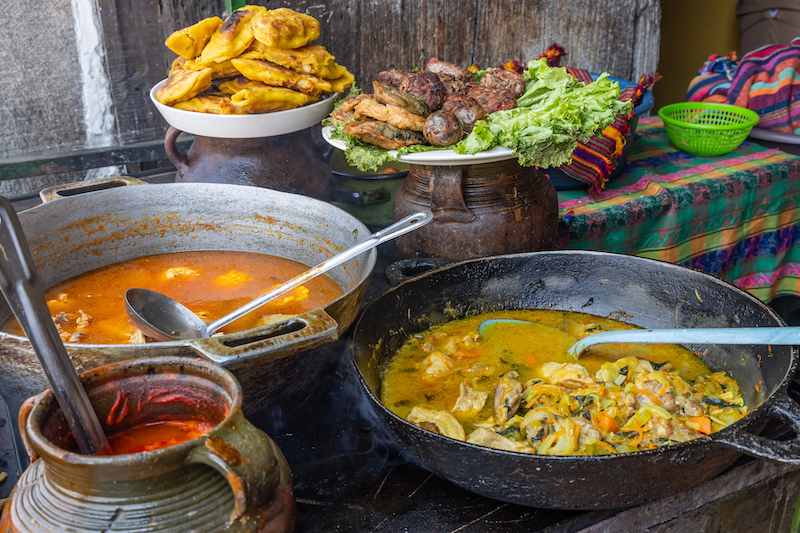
[
  {"x": 569, "y": 375},
  {"x": 487, "y": 437},
  {"x": 440, "y": 422},
  {"x": 507, "y": 397},
  {"x": 469, "y": 400}
]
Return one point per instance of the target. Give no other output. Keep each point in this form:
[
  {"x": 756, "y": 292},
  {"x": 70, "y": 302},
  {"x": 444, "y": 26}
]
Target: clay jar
[
  {"x": 290, "y": 163},
  {"x": 478, "y": 210},
  {"x": 233, "y": 478}
]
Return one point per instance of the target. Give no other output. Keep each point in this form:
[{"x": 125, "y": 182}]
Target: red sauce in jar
[{"x": 156, "y": 435}]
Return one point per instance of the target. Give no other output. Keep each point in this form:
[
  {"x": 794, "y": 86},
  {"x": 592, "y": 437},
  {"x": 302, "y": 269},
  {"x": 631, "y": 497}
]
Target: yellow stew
[{"x": 511, "y": 385}]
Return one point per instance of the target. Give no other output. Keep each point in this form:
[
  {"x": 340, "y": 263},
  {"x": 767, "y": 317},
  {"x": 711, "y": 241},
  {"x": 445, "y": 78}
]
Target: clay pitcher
[
  {"x": 292, "y": 162},
  {"x": 478, "y": 210},
  {"x": 232, "y": 478}
]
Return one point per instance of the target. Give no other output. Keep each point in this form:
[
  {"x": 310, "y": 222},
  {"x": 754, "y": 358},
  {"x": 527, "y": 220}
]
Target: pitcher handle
[
  {"x": 178, "y": 159},
  {"x": 447, "y": 195},
  {"x": 253, "y": 465},
  {"x": 80, "y": 187}
]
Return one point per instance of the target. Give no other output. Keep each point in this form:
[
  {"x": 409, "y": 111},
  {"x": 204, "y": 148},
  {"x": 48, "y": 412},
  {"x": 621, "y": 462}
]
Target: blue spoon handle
[{"x": 776, "y": 336}]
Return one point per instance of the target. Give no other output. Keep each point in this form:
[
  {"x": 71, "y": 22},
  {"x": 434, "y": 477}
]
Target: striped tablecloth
[{"x": 734, "y": 216}]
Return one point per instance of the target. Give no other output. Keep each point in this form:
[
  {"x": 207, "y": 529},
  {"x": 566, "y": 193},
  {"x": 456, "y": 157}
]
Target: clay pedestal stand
[
  {"x": 479, "y": 210},
  {"x": 291, "y": 162}
]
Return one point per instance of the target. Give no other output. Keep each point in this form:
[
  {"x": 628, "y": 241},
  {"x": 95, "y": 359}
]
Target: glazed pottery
[{"x": 233, "y": 478}]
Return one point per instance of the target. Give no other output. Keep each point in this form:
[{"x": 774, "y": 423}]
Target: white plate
[
  {"x": 437, "y": 157},
  {"x": 244, "y": 126},
  {"x": 767, "y": 135}
]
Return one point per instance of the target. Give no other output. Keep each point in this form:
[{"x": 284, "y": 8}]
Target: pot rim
[
  {"x": 46, "y": 400},
  {"x": 753, "y": 415}
]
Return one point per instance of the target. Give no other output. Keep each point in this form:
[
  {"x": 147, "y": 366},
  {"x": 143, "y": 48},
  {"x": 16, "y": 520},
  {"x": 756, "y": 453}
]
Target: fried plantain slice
[
  {"x": 285, "y": 28},
  {"x": 232, "y": 38},
  {"x": 342, "y": 83},
  {"x": 265, "y": 99},
  {"x": 277, "y": 76},
  {"x": 215, "y": 103},
  {"x": 224, "y": 69},
  {"x": 189, "y": 42},
  {"x": 184, "y": 85},
  {"x": 312, "y": 59}
]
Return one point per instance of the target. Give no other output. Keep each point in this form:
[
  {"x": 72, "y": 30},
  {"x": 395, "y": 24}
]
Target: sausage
[
  {"x": 466, "y": 110},
  {"x": 442, "y": 128}
]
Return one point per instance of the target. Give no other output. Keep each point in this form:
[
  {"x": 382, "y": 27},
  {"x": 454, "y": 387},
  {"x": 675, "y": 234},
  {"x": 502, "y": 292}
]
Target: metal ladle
[
  {"x": 164, "y": 319},
  {"x": 788, "y": 336},
  {"x": 22, "y": 290}
]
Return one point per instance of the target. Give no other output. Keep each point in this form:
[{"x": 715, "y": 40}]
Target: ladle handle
[
  {"x": 401, "y": 227},
  {"x": 21, "y": 288},
  {"x": 775, "y": 336}
]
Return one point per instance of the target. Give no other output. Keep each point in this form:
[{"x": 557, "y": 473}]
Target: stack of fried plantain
[{"x": 257, "y": 61}]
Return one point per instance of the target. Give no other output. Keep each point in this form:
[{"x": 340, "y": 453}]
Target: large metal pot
[
  {"x": 87, "y": 225},
  {"x": 639, "y": 291}
]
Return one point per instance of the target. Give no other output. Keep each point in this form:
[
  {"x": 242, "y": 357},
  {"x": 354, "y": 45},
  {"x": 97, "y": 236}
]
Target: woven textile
[
  {"x": 767, "y": 80},
  {"x": 734, "y": 216}
]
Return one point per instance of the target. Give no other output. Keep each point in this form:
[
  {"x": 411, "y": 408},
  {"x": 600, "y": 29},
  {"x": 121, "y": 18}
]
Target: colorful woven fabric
[
  {"x": 594, "y": 161},
  {"x": 736, "y": 216},
  {"x": 767, "y": 80},
  {"x": 713, "y": 80}
]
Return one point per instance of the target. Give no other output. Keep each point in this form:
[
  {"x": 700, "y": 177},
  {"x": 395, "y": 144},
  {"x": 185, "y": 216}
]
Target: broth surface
[
  {"x": 90, "y": 308},
  {"x": 514, "y": 386}
]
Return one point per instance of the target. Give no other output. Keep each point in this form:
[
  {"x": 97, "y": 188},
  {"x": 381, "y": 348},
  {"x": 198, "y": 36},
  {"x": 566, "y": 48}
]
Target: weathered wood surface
[{"x": 47, "y": 111}]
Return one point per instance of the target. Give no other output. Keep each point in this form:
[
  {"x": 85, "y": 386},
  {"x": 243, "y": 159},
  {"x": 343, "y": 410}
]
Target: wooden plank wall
[{"x": 617, "y": 36}]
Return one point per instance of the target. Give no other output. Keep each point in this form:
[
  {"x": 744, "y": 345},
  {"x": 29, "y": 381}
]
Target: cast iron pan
[{"x": 643, "y": 292}]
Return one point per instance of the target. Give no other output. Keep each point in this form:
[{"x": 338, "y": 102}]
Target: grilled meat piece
[
  {"x": 395, "y": 77},
  {"x": 443, "y": 68},
  {"x": 442, "y": 128},
  {"x": 506, "y": 80},
  {"x": 394, "y": 115},
  {"x": 382, "y": 134},
  {"x": 454, "y": 86},
  {"x": 492, "y": 99},
  {"x": 427, "y": 86},
  {"x": 386, "y": 93},
  {"x": 466, "y": 110}
]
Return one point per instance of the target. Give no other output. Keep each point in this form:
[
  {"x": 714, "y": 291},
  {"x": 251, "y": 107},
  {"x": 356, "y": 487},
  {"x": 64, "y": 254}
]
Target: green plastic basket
[{"x": 707, "y": 129}]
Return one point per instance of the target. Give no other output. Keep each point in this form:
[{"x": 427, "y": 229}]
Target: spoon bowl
[{"x": 163, "y": 319}]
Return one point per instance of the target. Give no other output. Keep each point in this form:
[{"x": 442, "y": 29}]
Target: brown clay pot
[
  {"x": 233, "y": 478},
  {"x": 478, "y": 210},
  {"x": 290, "y": 163}
]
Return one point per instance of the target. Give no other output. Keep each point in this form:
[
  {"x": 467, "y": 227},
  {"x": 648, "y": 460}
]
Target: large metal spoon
[
  {"x": 164, "y": 319},
  {"x": 22, "y": 290},
  {"x": 767, "y": 335}
]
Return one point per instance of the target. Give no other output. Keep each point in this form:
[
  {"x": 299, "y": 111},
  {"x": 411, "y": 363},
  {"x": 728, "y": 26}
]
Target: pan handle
[
  {"x": 275, "y": 341},
  {"x": 80, "y": 187},
  {"x": 782, "y": 451}
]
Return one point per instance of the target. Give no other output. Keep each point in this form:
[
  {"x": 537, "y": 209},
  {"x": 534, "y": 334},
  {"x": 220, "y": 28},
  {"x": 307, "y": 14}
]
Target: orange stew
[
  {"x": 156, "y": 435},
  {"x": 90, "y": 308}
]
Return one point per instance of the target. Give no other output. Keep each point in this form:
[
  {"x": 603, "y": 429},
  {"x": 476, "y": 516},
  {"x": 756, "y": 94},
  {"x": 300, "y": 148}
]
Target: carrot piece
[
  {"x": 702, "y": 424},
  {"x": 606, "y": 423},
  {"x": 576, "y": 433},
  {"x": 530, "y": 360},
  {"x": 655, "y": 398},
  {"x": 465, "y": 353},
  {"x": 664, "y": 389},
  {"x": 640, "y": 430}
]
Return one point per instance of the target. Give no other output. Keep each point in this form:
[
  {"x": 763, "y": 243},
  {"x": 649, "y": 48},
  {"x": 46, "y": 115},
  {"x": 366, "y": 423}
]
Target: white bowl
[{"x": 244, "y": 126}]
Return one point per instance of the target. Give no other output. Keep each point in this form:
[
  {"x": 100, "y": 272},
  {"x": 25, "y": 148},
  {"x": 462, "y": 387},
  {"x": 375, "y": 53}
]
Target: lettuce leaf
[{"x": 555, "y": 113}]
